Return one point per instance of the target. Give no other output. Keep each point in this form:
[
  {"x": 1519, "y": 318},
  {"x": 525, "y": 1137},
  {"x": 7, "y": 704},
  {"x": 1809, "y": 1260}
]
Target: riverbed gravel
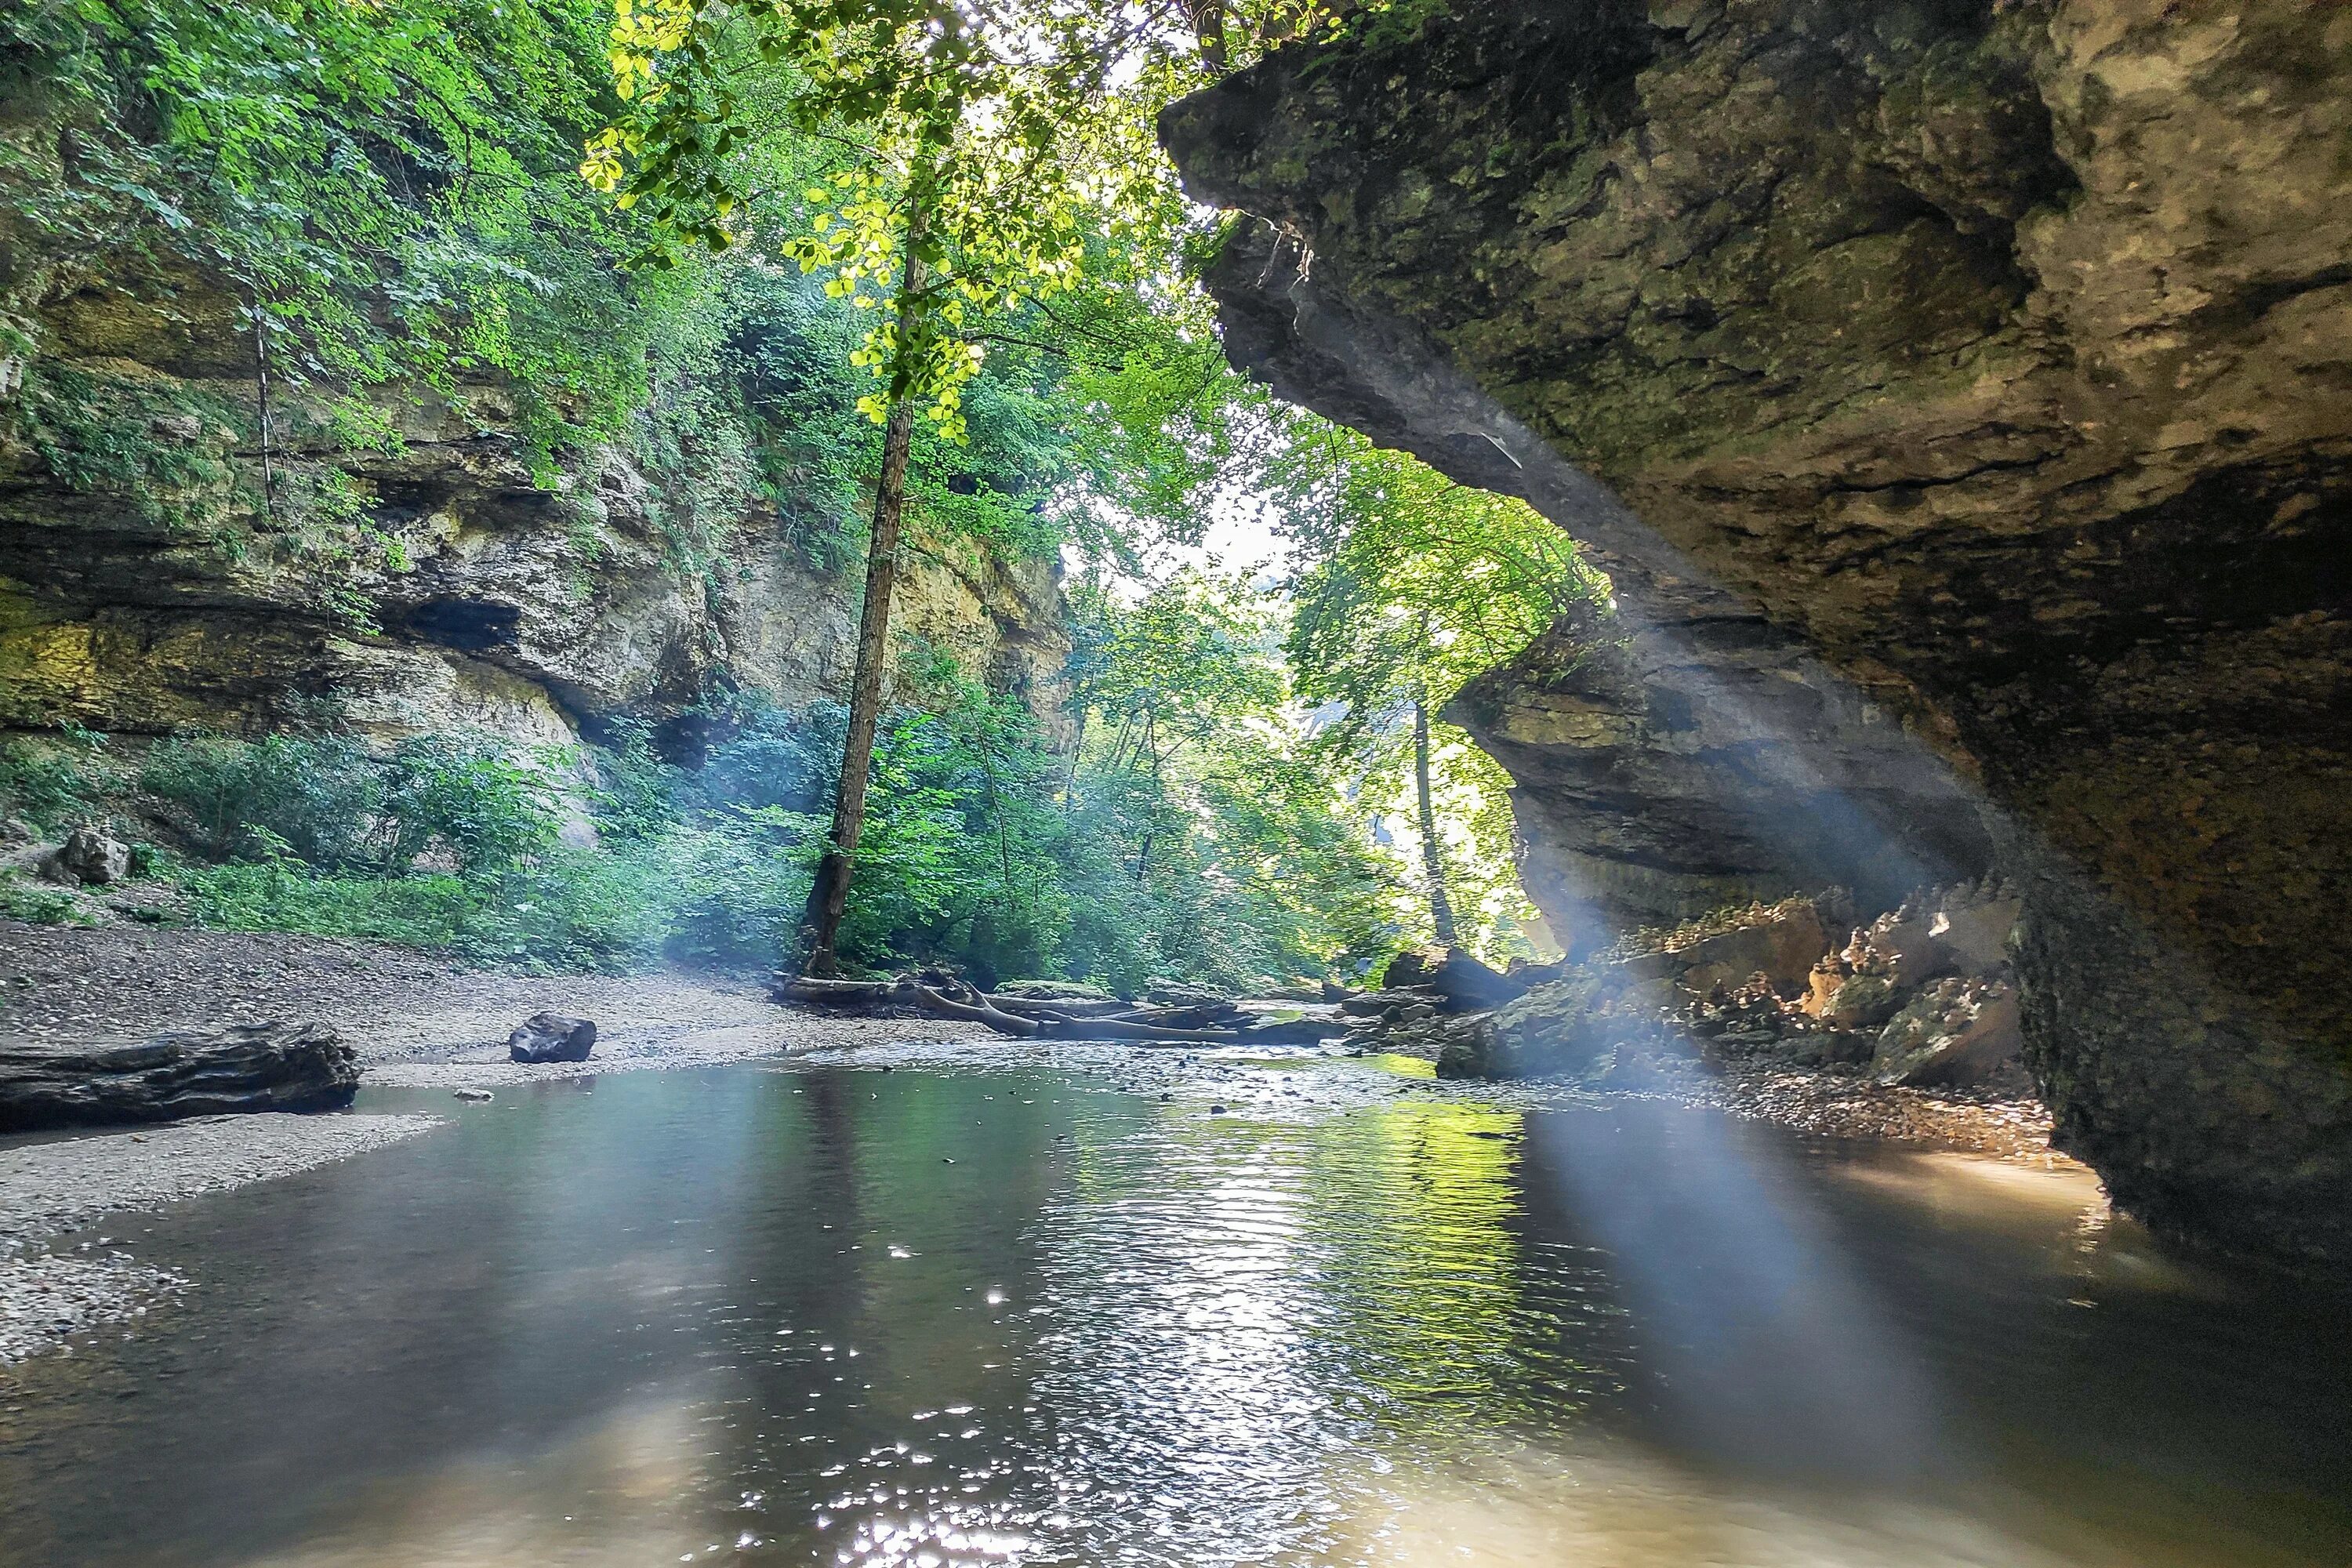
[{"x": 54, "y": 1285}]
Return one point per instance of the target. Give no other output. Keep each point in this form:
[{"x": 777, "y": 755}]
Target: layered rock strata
[
  {"x": 463, "y": 590},
  {"x": 1988, "y": 359}
]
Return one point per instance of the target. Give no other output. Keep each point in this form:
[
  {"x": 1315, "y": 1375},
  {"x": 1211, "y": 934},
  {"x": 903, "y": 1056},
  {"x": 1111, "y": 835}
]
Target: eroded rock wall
[
  {"x": 454, "y": 589},
  {"x": 1988, "y": 356}
]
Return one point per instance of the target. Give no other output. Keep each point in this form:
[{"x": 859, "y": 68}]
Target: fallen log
[
  {"x": 996, "y": 1018},
  {"x": 1180, "y": 1017},
  {"x": 834, "y": 993},
  {"x": 1077, "y": 1007},
  {"x": 183, "y": 1072},
  {"x": 1018, "y": 1016}
]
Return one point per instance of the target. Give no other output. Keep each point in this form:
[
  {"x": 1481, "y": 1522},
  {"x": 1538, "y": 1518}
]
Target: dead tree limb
[{"x": 996, "y": 1018}]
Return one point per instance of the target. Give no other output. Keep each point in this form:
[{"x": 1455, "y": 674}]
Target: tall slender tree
[
  {"x": 1408, "y": 586},
  {"x": 972, "y": 164},
  {"x": 1432, "y": 847}
]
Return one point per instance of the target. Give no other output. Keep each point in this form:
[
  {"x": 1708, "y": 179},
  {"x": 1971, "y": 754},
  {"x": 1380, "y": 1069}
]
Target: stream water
[{"x": 925, "y": 1317}]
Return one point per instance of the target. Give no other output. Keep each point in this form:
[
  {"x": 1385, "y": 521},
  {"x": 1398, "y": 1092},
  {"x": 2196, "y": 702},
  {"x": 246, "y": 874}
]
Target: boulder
[
  {"x": 1975, "y": 936},
  {"x": 553, "y": 1038},
  {"x": 1935, "y": 937},
  {"x": 1955, "y": 1033},
  {"x": 1469, "y": 985},
  {"x": 90, "y": 857},
  {"x": 1785, "y": 949},
  {"x": 1861, "y": 1002},
  {"x": 1532, "y": 972},
  {"x": 1413, "y": 966},
  {"x": 1821, "y": 985},
  {"x": 1373, "y": 1004},
  {"x": 1461, "y": 979},
  {"x": 1291, "y": 1031},
  {"x": 180, "y": 1073},
  {"x": 1591, "y": 1027}
]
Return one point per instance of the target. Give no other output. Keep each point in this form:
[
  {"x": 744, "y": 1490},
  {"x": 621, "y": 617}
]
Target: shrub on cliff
[
  {"x": 331, "y": 802},
  {"x": 50, "y": 783}
]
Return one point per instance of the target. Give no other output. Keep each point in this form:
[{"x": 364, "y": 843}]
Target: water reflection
[{"x": 853, "y": 1318}]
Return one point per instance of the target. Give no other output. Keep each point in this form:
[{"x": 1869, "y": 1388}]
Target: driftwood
[
  {"x": 835, "y": 992},
  {"x": 1028, "y": 1018},
  {"x": 1076, "y": 1007},
  {"x": 978, "y": 1012},
  {"x": 182, "y": 1072}
]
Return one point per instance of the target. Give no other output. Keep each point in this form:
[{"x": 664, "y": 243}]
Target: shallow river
[{"x": 838, "y": 1315}]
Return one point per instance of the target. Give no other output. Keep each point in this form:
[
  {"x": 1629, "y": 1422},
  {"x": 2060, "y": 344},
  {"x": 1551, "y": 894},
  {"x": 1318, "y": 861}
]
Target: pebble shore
[
  {"x": 416, "y": 1022},
  {"x": 53, "y": 1285}
]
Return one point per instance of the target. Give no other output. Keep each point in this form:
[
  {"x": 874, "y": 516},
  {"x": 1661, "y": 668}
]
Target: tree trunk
[
  {"x": 1433, "y": 859},
  {"x": 829, "y": 894},
  {"x": 1208, "y": 19}
]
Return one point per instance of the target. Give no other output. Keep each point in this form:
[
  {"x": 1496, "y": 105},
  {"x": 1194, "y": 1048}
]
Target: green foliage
[
  {"x": 385, "y": 200},
  {"x": 1409, "y": 582},
  {"x": 328, "y": 802},
  {"x": 571, "y": 910},
  {"x": 160, "y": 446},
  {"x": 968, "y": 165},
  {"x": 53, "y": 783},
  {"x": 1409, "y": 587},
  {"x": 1207, "y": 837},
  {"x": 21, "y": 900}
]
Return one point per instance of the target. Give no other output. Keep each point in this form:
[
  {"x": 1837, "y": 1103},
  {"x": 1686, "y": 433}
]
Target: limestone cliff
[
  {"x": 1976, "y": 371},
  {"x": 452, "y": 587}
]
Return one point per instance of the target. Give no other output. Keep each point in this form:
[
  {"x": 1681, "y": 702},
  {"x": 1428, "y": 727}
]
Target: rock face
[
  {"x": 1923, "y": 996},
  {"x": 479, "y": 597},
  {"x": 551, "y": 1037},
  {"x": 184, "y": 1072},
  {"x": 1955, "y": 394}
]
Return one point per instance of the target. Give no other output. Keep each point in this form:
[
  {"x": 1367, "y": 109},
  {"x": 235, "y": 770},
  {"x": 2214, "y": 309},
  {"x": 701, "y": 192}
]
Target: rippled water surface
[{"x": 849, "y": 1316}]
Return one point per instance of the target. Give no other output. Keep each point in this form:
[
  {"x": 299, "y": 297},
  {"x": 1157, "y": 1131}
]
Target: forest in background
[{"x": 395, "y": 192}]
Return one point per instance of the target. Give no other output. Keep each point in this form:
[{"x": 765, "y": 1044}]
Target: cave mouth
[{"x": 470, "y": 625}]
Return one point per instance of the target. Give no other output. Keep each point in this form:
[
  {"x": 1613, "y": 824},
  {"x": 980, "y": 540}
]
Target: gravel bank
[
  {"x": 416, "y": 1021},
  {"x": 62, "y": 1184},
  {"x": 391, "y": 1002}
]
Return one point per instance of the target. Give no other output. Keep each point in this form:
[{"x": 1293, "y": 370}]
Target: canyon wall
[
  {"x": 447, "y": 586},
  {"x": 1956, "y": 391}
]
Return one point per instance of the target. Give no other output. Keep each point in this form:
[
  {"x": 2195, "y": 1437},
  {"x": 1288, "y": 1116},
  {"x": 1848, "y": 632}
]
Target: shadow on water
[{"x": 919, "y": 1318}]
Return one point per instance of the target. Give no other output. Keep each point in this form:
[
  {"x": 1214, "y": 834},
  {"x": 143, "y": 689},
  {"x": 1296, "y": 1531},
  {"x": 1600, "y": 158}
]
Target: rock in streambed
[{"x": 553, "y": 1038}]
